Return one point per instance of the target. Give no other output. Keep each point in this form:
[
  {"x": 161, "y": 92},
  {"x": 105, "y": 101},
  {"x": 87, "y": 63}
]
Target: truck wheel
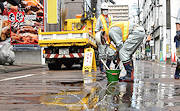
[
  {"x": 57, "y": 66},
  {"x": 81, "y": 65},
  {"x": 51, "y": 66},
  {"x": 69, "y": 65}
]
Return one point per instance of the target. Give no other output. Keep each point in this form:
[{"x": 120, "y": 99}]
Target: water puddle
[
  {"x": 91, "y": 97},
  {"x": 119, "y": 96},
  {"x": 95, "y": 94}
]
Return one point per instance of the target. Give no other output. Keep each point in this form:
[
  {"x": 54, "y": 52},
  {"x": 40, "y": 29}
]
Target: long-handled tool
[
  {"x": 119, "y": 66},
  {"x": 104, "y": 64}
]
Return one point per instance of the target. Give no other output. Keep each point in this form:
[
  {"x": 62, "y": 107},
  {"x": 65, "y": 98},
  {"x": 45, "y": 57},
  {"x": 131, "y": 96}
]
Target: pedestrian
[
  {"x": 177, "y": 40},
  {"x": 102, "y": 24},
  {"x": 127, "y": 37}
]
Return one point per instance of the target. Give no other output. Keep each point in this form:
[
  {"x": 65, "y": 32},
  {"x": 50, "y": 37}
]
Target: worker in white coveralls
[
  {"x": 102, "y": 24},
  {"x": 127, "y": 37},
  {"x": 177, "y": 40}
]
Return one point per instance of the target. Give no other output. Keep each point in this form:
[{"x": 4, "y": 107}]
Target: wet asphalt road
[{"x": 154, "y": 89}]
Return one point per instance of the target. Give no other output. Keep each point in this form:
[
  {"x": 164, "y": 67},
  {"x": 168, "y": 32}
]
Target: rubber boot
[
  {"x": 176, "y": 75},
  {"x": 130, "y": 70},
  {"x": 108, "y": 62},
  {"x": 101, "y": 67}
]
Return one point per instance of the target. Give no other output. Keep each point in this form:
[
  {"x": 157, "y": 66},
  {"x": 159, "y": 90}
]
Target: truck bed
[{"x": 66, "y": 38}]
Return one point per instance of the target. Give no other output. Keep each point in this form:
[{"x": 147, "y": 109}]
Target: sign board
[
  {"x": 161, "y": 55},
  {"x": 53, "y": 11},
  {"x": 1, "y": 23},
  {"x": 89, "y": 62},
  {"x": 16, "y": 16},
  {"x": 21, "y": 23},
  {"x": 88, "y": 59}
]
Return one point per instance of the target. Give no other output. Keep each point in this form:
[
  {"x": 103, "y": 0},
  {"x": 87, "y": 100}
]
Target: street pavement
[{"x": 35, "y": 88}]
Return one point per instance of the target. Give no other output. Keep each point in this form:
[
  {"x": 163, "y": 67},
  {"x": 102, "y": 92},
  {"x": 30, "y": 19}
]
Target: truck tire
[
  {"x": 57, "y": 66},
  {"x": 51, "y": 66},
  {"x": 81, "y": 65},
  {"x": 54, "y": 66},
  {"x": 69, "y": 64}
]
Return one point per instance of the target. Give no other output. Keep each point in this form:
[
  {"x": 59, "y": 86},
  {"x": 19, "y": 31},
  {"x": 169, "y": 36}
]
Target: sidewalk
[{"x": 19, "y": 67}]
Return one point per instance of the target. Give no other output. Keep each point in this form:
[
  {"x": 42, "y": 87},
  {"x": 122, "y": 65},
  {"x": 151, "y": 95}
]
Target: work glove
[{"x": 178, "y": 35}]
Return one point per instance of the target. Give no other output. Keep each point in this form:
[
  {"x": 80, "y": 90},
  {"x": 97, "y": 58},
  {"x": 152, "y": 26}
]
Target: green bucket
[{"x": 113, "y": 75}]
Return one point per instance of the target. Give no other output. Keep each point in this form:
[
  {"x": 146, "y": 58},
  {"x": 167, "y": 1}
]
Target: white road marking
[{"x": 16, "y": 77}]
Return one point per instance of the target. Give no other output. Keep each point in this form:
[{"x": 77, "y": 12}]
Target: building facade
[
  {"x": 159, "y": 18},
  {"x": 119, "y": 12}
]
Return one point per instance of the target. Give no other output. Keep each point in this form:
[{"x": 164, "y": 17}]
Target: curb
[{"x": 19, "y": 69}]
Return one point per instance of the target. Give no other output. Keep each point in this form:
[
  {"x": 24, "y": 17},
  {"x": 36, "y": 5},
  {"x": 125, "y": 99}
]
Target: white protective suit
[
  {"x": 103, "y": 49},
  {"x": 135, "y": 38}
]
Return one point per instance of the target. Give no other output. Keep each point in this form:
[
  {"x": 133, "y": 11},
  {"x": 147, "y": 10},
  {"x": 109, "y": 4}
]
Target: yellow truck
[{"x": 67, "y": 46}]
